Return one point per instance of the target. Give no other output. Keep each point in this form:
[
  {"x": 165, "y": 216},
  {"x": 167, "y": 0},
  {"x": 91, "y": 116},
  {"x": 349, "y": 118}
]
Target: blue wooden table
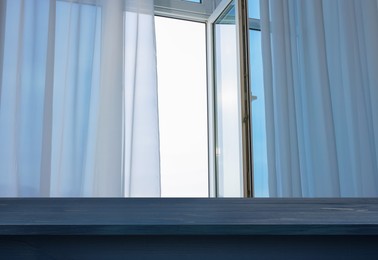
[{"x": 107, "y": 228}]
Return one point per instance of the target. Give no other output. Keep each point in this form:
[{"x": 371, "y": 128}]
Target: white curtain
[
  {"x": 77, "y": 96},
  {"x": 321, "y": 88}
]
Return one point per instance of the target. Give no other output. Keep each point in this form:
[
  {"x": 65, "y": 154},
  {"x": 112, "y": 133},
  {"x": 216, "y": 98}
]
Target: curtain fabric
[
  {"x": 320, "y": 61},
  {"x": 77, "y": 96}
]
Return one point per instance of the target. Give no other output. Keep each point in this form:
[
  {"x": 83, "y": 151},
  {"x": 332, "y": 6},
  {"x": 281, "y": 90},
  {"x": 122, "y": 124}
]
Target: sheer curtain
[
  {"x": 321, "y": 89},
  {"x": 77, "y": 96}
]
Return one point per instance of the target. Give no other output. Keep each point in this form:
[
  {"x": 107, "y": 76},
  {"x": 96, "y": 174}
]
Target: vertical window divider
[
  {"x": 246, "y": 135},
  {"x": 211, "y": 110}
]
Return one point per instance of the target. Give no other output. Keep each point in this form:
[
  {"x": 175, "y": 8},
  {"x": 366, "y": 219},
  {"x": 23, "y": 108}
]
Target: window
[
  {"x": 260, "y": 163},
  {"x": 182, "y": 93},
  {"x": 228, "y": 141},
  {"x": 192, "y": 163}
]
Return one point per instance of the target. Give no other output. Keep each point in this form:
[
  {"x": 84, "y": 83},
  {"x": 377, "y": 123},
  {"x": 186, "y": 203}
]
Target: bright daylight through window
[
  {"x": 182, "y": 93},
  {"x": 260, "y": 161},
  {"x": 184, "y": 110}
]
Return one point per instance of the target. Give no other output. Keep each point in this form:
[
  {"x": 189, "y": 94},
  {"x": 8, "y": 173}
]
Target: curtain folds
[
  {"x": 77, "y": 96},
  {"x": 321, "y": 90}
]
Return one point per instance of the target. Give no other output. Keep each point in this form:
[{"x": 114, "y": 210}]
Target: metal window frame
[
  {"x": 245, "y": 96},
  {"x": 242, "y": 26},
  {"x": 207, "y": 13},
  {"x": 185, "y": 10}
]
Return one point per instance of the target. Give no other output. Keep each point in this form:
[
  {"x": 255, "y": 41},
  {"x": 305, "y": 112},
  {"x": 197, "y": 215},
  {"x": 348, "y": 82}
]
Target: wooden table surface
[{"x": 126, "y": 216}]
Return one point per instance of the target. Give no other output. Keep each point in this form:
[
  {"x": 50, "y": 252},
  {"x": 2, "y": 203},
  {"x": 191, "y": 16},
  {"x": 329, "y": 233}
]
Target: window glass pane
[
  {"x": 228, "y": 150},
  {"x": 254, "y": 9},
  {"x": 258, "y": 117},
  {"x": 182, "y": 90}
]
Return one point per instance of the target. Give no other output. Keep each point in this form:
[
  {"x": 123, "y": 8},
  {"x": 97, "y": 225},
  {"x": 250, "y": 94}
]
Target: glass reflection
[{"x": 228, "y": 150}]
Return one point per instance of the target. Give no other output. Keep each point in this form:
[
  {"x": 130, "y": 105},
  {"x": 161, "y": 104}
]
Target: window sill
[{"x": 118, "y": 216}]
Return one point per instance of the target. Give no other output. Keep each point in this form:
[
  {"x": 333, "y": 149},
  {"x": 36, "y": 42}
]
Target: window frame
[
  {"x": 185, "y": 10},
  {"x": 206, "y": 107},
  {"x": 205, "y": 12},
  {"x": 242, "y": 42}
]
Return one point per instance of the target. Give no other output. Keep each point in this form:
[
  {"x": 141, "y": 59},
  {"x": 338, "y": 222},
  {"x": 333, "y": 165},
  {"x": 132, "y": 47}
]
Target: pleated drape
[
  {"x": 321, "y": 88},
  {"x": 66, "y": 68}
]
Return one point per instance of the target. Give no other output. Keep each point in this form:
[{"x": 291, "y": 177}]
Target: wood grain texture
[
  {"x": 119, "y": 216},
  {"x": 189, "y": 247}
]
